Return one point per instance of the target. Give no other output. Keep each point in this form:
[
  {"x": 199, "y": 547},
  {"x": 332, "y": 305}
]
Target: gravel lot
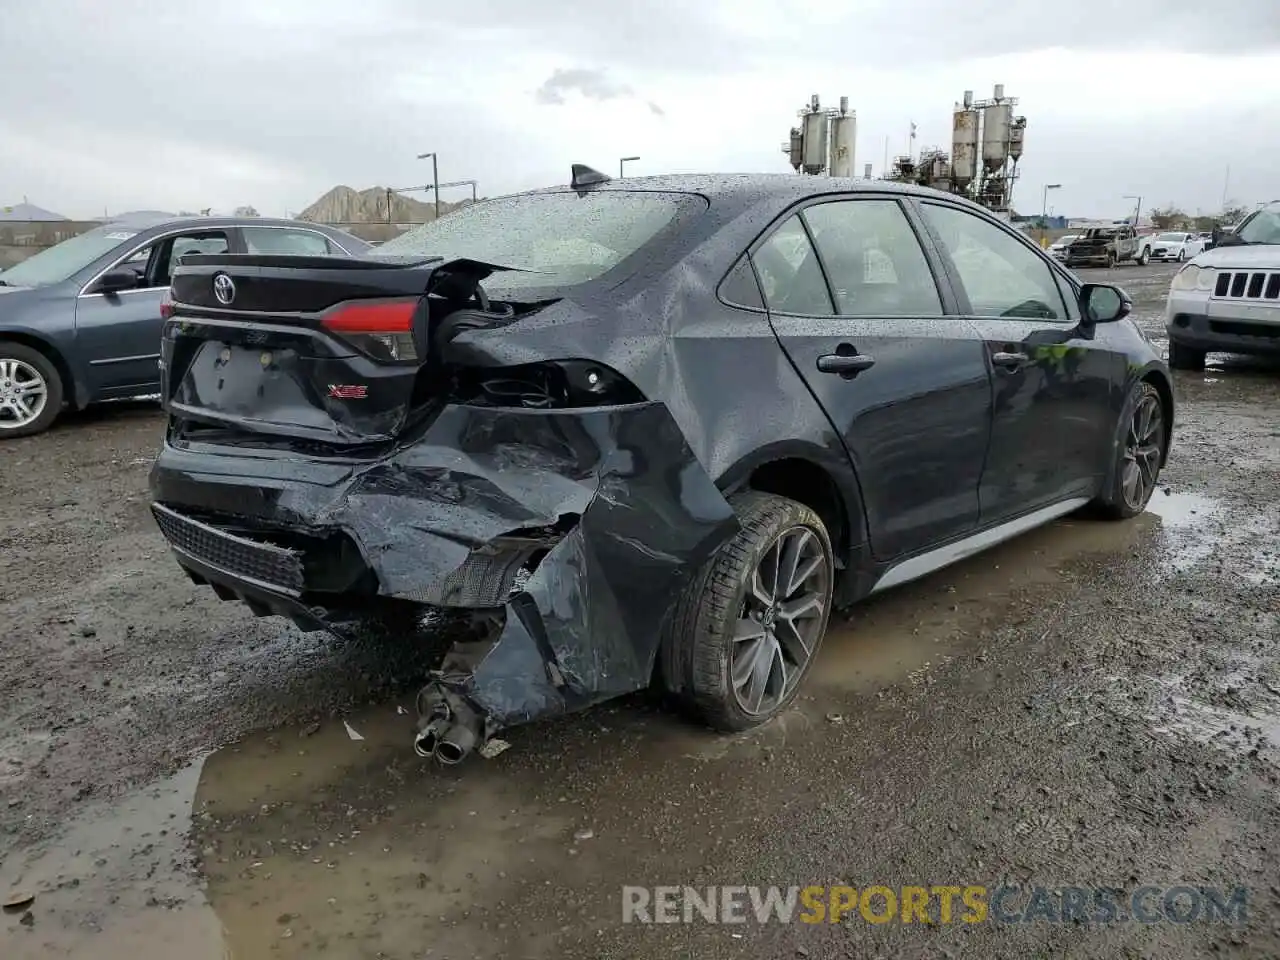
[{"x": 1093, "y": 704}]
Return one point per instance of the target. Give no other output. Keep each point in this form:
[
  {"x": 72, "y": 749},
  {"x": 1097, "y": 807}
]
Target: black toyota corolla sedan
[{"x": 649, "y": 431}]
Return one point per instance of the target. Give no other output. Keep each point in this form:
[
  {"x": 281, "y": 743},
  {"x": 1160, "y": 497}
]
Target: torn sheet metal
[{"x": 608, "y": 508}]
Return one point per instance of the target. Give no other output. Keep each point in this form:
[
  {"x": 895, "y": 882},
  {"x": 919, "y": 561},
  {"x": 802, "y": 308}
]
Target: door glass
[
  {"x": 1002, "y": 276},
  {"x": 181, "y": 245},
  {"x": 740, "y": 288},
  {"x": 789, "y": 272},
  {"x": 271, "y": 240},
  {"x": 873, "y": 259}
]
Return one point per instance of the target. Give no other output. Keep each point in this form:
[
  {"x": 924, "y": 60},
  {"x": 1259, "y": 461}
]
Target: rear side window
[
  {"x": 740, "y": 288},
  {"x": 789, "y": 272},
  {"x": 556, "y": 239},
  {"x": 282, "y": 241},
  {"x": 876, "y": 265}
]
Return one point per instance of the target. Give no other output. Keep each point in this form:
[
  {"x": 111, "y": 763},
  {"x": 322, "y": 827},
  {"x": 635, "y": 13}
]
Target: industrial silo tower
[
  {"x": 964, "y": 144},
  {"x": 844, "y": 130},
  {"x": 824, "y": 140}
]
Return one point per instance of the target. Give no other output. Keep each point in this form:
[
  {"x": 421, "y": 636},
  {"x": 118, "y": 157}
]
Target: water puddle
[
  {"x": 117, "y": 885},
  {"x": 1196, "y": 529},
  {"x": 900, "y": 635},
  {"x": 1231, "y": 730}
]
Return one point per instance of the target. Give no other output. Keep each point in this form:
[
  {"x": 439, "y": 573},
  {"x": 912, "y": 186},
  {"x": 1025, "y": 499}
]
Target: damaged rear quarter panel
[{"x": 587, "y": 623}]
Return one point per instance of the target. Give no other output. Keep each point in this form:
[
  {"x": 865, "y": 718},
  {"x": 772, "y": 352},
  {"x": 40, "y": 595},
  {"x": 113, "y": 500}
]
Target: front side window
[
  {"x": 551, "y": 239},
  {"x": 203, "y": 242},
  {"x": 1002, "y": 276},
  {"x": 873, "y": 259},
  {"x": 789, "y": 272}
]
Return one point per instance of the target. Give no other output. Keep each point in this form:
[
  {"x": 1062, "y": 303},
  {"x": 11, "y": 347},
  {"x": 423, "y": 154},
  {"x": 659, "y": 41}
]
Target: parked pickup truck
[{"x": 1107, "y": 246}]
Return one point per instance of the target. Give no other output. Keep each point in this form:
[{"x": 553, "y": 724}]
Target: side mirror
[
  {"x": 1103, "y": 303},
  {"x": 113, "y": 281}
]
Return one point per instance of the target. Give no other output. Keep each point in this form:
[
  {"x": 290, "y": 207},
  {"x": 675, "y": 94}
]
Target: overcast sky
[{"x": 165, "y": 105}]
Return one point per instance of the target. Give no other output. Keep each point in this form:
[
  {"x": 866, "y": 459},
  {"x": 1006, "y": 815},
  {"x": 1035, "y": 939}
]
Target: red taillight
[
  {"x": 385, "y": 316},
  {"x": 383, "y": 329},
  {"x": 166, "y": 305}
]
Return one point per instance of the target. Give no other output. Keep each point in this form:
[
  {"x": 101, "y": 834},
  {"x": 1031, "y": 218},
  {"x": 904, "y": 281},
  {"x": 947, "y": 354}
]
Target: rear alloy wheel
[
  {"x": 1144, "y": 257},
  {"x": 1139, "y": 455},
  {"x": 30, "y": 391},
  {"x": 746, "y": 630},
  {"x": 1182, "y": 255},
  {"x": 1182, "y": 357},
  {"x": 1111, "y": 259}
]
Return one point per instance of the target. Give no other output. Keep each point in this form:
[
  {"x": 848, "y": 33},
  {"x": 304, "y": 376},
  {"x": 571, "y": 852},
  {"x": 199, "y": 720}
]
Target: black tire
[
  {"x": 1182, "y": 357},
  {"x": 699, "y": 644},
  {"x": 1117, "y": 501},
  {"x": 1182, "y": 255},
  {"x": 37, "y": 361},
  {"x": 1144, "y": 257},
  {"x": 1111, "y": 259}
]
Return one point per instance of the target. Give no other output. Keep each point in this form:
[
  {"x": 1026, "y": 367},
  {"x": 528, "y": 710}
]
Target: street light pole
[
  {"x": 1044, "y": 207},
  {"x": 435, "y": 179},
  {"x": 621, "y": 161}
]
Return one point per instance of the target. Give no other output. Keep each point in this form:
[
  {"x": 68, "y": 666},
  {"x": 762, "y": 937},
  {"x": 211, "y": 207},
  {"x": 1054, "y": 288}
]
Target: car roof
[
  {"x": 745, "y": 189},
  {"x": 146, "y": 221}
]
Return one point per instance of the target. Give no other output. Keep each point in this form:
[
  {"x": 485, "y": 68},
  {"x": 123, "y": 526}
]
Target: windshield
[
  {"x": 1172, "y": 237},
  {"x": 65, "y": 259},
  {"x": 1068, "y": 238},
  {"x": 1262, "y": 227},
  {"x": 566, "y": 238}
]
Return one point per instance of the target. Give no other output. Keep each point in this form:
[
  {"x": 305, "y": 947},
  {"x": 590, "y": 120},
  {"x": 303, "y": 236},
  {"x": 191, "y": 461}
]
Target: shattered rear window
[{"x": 562, "y": 239}]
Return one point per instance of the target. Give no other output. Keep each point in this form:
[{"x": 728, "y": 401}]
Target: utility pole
[
  {"x": 435, "y": 179},
  {"x": 1044, "y": 206},
  {"x": 1137, "y": 210}
]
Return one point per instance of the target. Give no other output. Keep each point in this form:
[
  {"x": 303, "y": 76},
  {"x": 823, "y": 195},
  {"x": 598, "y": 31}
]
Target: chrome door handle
[
  {"x": 839, "y": 363},
  {"x": 1009, "y": 360}
]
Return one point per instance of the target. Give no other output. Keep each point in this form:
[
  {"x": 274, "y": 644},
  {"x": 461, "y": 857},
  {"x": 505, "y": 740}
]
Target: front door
[
  {"x": 1055, "y": 403},
  {"x": 856, "y": 307},
  {"x": 119, "y": 332}
]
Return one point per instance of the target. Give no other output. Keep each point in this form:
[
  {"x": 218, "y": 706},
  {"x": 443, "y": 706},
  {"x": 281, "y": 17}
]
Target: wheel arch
[
  {"x": 810, "y": 475},
  {"x": 1164, "y": 386},
  {"x": 71, "y": 388}
]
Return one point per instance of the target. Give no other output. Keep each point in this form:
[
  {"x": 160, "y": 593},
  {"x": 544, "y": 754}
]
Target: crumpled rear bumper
[{"x": 581, "y": 524}]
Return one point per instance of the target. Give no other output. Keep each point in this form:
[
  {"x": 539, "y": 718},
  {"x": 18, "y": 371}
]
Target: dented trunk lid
[{"x": 331, "y": 350}]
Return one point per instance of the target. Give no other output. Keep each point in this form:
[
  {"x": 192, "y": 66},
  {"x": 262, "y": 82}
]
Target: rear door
[
  {"x": 1055, "y": 403},
  {"x": 120, "y": 332},
  {"x": 858, "y": 310}
]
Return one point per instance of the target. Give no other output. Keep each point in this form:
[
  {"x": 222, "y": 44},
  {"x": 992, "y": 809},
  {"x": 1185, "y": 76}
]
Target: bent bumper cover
[{"x": 615, "y": 497}]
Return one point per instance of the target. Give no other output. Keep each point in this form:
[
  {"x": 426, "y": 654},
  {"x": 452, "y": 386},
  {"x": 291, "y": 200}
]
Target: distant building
[{"x": 28, "y": 213}]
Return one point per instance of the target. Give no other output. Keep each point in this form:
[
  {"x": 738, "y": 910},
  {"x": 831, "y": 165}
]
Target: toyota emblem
[{"x": 224, "y": 288}]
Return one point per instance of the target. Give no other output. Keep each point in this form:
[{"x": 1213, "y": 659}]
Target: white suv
[{"x": 1228, "y": 298}]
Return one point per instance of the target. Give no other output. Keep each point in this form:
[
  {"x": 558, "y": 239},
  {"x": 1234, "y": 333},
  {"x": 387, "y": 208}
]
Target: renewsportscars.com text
[{"x": 941, "y": 904}]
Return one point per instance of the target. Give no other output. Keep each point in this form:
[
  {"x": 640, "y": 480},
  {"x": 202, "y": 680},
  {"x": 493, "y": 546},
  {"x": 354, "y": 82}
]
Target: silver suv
[{"x": 1228, "y": 298}]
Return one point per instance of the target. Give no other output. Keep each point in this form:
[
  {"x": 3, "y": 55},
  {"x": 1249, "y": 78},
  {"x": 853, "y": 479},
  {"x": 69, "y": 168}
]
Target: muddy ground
[{"x": 1093, "y": 704}]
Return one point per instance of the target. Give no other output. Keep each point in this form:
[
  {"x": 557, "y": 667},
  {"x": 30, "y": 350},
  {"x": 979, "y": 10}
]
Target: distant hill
[
  {"x": 345, "y": 205},
  {"x": 28, "y": 213}
]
